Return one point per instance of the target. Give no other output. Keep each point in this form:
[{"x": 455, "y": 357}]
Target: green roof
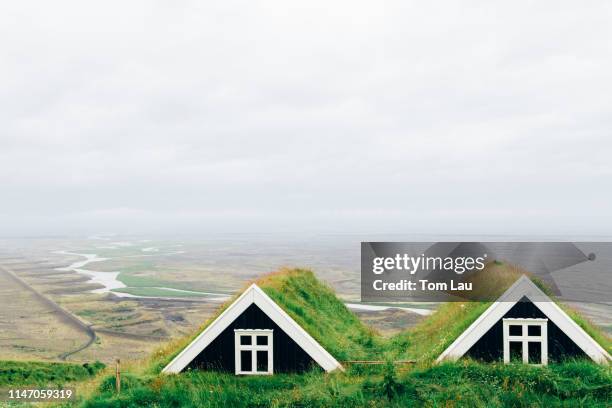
[
  {"x": 316, "y": 308},
  {"x": 428, "y": 339}
]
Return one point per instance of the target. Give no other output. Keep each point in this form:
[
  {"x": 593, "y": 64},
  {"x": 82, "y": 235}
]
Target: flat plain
[{"x": 133, "y": 294}]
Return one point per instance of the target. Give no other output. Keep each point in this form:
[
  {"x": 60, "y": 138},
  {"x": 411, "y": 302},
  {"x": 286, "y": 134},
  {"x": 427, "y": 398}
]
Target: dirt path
[{"x": 68, "y": 317}]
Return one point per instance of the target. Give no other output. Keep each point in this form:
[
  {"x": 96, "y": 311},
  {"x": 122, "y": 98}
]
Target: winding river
[{"x": 110, "y": 282}]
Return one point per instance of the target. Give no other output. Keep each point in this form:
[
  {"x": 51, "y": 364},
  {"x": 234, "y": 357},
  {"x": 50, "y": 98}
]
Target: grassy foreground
[
  {"x": 17, "y": 373},
  {"x": 316, "y": 308},
  {"x": 468, "y": 383}
]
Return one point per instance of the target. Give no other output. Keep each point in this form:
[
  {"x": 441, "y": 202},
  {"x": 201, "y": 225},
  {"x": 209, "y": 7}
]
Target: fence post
[{"x": 118, "y": 377}]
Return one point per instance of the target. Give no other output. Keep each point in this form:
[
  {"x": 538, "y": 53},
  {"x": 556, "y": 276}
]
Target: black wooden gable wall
[
  {"x": 220, "y": 353},
  {"x": 490, "y": 347}
]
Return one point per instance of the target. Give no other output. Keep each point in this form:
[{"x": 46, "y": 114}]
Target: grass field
[
  {"x": 158, "y": 292},
  {"x": 466, "y": 384},
  {"x": 20, "y": 373}
]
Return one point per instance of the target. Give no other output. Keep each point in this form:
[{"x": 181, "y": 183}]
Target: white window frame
[
  {"x": 254, "y": 348},
  {"x": 525, "y": 338}
]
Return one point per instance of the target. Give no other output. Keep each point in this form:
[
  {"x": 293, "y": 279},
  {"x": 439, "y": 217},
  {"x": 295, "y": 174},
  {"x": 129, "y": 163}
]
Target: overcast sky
[{"x": 336, "y": 116}]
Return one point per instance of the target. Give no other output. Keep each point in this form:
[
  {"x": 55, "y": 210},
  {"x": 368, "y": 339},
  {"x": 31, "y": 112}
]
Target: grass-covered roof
[
  {"x": 428, "y": 339},
  {"x": 315, "y": 307}
]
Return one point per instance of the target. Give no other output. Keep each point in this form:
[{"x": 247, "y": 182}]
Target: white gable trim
[
  {"x": 257, "y": 296},
  {"x": 524, "y": 287}
]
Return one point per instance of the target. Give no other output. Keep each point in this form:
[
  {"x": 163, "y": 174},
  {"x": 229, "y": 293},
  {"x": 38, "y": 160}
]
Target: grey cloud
[{"x": 155, "y": 116}]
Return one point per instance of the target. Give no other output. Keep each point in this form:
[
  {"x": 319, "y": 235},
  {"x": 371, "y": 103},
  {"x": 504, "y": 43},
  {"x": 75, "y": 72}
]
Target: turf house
[
  {"x": 525, "y": 325},
  {"x": 253, "y": 336}
]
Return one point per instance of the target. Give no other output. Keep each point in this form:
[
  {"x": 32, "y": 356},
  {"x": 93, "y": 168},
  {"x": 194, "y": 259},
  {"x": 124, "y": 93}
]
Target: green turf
[
  {"x": 132, "y": 280},
  {"x": 18, "y": 373},
  {"x": 466, "y": 384},
  {"x": 315, "y": 307},
  {"x": 157, "y": 292}
]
